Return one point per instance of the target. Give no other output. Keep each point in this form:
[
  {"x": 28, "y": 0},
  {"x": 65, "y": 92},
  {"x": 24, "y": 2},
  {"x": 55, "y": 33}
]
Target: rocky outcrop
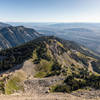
[{"x": 14, "y": 36}]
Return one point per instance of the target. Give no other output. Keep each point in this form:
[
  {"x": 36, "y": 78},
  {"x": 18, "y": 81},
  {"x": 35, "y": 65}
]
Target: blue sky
[{"x": 50, "y": 10}]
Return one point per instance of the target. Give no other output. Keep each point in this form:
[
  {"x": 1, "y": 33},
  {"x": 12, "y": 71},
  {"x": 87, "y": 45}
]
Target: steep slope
[
  {"x": 64, "y": 66},
  {"x": 13, "y": 36},
  {"x": 2, "y": 25},
  {"x": 50, "y": 48}
]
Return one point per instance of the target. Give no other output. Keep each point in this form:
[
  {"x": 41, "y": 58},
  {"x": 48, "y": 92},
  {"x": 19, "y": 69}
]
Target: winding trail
[{"x": 90, "y": 66}]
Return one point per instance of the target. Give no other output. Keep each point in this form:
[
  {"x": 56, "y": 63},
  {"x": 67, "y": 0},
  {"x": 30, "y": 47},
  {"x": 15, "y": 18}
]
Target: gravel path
[{"x": 55, "y": 96}]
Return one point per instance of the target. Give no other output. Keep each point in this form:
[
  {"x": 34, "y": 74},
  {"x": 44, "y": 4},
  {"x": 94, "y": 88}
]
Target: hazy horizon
[{"x": 60, "y": 11}]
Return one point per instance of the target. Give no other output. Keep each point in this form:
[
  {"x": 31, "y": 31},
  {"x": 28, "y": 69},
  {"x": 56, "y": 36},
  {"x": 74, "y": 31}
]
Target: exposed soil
[
  {"x": 54, "y": 96},
  {"x": 38, "y": 89}
]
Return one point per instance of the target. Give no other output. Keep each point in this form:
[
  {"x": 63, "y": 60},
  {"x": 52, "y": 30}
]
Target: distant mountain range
[
  {"x": 12, "y": 36},
  {"x": 87, "y": 34}
]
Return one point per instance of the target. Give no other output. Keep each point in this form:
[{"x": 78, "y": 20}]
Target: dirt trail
[
  {"x": 90, "y": 66},
  {"x": 55, "y": 96}
]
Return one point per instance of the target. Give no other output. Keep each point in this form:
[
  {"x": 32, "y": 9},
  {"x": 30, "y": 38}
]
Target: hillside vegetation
[{"x": 51, "y": 56}]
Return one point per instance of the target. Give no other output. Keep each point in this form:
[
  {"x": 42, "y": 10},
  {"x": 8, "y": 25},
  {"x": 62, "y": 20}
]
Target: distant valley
[
  {"x": 47, "y": 62},
  {"x": 87, "y": 34}
]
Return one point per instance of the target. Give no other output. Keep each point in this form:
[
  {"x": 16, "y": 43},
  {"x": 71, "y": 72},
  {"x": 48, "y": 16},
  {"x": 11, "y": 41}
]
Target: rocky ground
[
  {"x": 54, "y": 96},
  {"x": 38, "y": 89},
  {"x": 88, "y": 94}
]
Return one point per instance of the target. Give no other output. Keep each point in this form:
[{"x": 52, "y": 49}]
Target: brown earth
[
  {"x": 54, "y": 96},
  {"x": 37, "y": 88}
]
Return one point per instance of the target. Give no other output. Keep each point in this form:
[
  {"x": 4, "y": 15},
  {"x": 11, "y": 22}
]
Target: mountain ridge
[
  {"x": 71, "y": 47},
  {"x": 48, "y": 64},
  {"x": 2, "y": 25},
  {"x": 13, "y": 36}
]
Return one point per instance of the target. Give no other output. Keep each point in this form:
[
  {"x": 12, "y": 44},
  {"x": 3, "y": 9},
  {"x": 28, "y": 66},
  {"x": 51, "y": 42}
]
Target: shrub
[
  {"x": 2, "y": 90},
  {"x": 13, "y": 85},
  {"x": 60, "y": 88}
]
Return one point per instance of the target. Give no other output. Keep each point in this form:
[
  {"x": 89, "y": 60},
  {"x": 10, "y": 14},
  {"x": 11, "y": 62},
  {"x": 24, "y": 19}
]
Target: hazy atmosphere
[
  {"x": 49, "y": 49},
  {"x": 50, "y": 10}
]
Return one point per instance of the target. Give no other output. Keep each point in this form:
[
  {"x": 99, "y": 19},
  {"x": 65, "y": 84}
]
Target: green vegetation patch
[
  {"x": 80, "y": 58},
  {"x": 43, "y": 68},
  {"x": 47, "y": 68},
  {"x": 75, "y": 82},
  {"x": 13, "y": 85},
  {"x": 60, "y": 44},
  {"x": 40, "y": 74},
  {"x": 2, "y": 85},
  {"x": 60, "y": 88}
]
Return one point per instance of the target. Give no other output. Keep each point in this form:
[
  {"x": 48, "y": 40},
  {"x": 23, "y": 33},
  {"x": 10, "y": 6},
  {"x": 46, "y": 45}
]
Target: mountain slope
[
  {"x": 50, "y": 48},
  {"x": 2, "y": 25},
  {"x": 69, "y": 65},
  {"x": 13, "y": 36}
]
